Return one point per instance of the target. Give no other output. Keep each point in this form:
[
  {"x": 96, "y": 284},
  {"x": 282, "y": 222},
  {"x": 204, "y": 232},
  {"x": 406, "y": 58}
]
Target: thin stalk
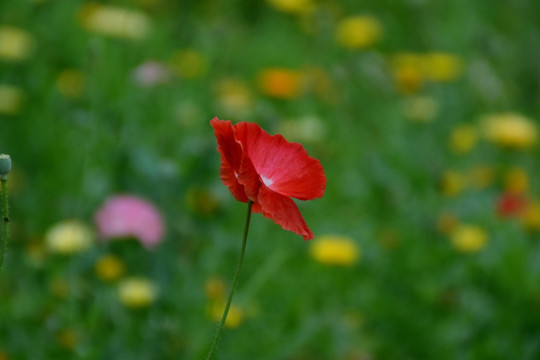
[
  {"x": 233, "y": 286},
  {"x": 5, "y": 220}
]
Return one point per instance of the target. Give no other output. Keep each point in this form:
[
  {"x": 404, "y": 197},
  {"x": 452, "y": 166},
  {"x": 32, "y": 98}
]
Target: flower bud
[{"x": 5, "y": 166}]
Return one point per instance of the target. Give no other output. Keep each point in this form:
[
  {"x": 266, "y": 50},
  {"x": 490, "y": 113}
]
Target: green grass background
[{"x": 420, "y": 299}]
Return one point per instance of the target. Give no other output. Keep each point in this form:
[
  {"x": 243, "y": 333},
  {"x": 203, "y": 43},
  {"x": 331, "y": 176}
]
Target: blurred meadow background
[{"x": 423, "y": 113}]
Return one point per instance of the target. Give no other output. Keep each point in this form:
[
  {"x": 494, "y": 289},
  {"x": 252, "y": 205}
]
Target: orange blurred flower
[
  {"x": 407, "y": 72},
  {"x": 280, "y": 83}
]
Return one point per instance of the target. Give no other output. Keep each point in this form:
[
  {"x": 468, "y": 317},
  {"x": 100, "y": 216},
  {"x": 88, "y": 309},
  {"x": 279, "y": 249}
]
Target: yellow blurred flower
[
  {"x": 215, "y": 289},
  {"x": 15, "y": 43},
  {"x": 70, "y": 83},
  {"x": 69, "y": 237},
  {"x": 358, "y": 32},
  {"x": 447, "y": 222},
  {"x": 441, "y": 67},
  {"x": 463, "y": 139},
  {"x": 480, "y": 176},
  {"x": 510, "y": 130},
  {"x": 335, "y": 250},
  {"x": 109, "y": 268},
  {"x": 234, "y": 317},
  {"x": 411, "y": 70},
  {"x": 531, "y": 216},
  {"x": 3, "y": 355},
  {"x": 516, "y": 181},
  {"x": 11, "y": 99},
  {"x": 304, "y": 129},
  {"x": 189, "y": 63},
  {"x": 137, "y": 292},
  {"x": 280, "y": 83},
  {"x": 469, "y": 238},
  {"x": 234, "y": 98},
  {"x": 453, "y": 183},
  {"x": 67, "y": 339},
  {"x": 114, "y": 21},
  {"x": 292, "y": 6},
  {"x": 420, "y": 108}
]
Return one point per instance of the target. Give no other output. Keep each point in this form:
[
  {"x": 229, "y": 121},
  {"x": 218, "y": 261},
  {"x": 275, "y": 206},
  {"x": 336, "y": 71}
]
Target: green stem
[
  {"x": 233, "y": 286},
  {"x": 5, "y": 220}
]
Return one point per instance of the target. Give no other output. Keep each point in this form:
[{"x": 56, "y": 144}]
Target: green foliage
[{"x": 83, "y": 128}]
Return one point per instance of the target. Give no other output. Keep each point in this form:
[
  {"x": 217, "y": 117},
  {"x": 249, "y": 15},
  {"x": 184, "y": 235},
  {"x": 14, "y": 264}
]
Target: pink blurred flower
[
  {"x": 130, "y": 216},
  {"x": 151, "y": 73}
]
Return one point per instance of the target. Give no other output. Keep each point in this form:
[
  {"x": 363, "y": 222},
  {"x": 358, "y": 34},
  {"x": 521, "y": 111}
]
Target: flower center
[{"x": 266, "y": 181}]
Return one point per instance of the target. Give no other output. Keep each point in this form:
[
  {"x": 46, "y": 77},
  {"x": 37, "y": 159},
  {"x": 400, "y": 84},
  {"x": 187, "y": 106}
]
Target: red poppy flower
[
  {"x": 268, "y": 170},
  {"x": 510, "y": 205}
]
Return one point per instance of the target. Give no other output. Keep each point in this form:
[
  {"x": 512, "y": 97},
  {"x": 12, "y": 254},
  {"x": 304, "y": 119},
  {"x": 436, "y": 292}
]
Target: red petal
[
  {"x": 285, "y": 167},
  {"x": 226, "y": 173},
  {"x": 231, "y": 158},
  {"x": 248, "y": 177},
  {"x": 282, "y": 210},
  {"x": 230, "y": 150}
]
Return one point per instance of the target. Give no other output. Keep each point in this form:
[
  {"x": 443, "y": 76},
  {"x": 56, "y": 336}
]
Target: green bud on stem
[{"x": 5, "y": 166}]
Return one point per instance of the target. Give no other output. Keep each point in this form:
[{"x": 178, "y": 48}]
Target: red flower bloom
[
  {"x": 268, "y": 170},
  {"x": 510, "y": 205}
]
